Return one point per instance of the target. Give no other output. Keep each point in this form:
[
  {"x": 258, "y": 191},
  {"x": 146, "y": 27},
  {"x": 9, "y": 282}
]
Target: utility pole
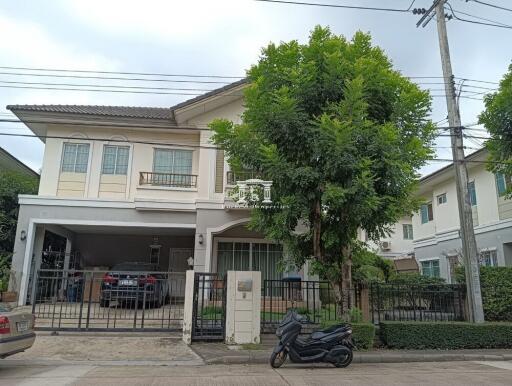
[{"x": 467, "y": 232}]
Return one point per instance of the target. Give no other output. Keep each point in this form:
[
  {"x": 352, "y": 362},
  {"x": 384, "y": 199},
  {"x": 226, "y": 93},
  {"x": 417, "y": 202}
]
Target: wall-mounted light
[
  {"x": 190, "y": 261},
  {"x": 200, "y": 239},
  {"x": 23, "y": 235}
]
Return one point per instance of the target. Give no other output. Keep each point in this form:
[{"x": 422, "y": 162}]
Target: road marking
[{"x": 505, "y": 365}]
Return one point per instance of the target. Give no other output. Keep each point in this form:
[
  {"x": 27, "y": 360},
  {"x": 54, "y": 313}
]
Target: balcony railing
[
  {"x": 168, "y": 179},
  {"x": 234, "y": 177}
]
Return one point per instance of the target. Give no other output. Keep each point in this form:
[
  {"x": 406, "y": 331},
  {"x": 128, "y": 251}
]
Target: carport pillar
[
  {"x": 188, "y": 307},
  {"x": 243, "y": 306},
  {"x": 67, "y": 254}
]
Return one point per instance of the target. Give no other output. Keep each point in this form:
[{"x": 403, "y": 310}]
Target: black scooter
[{"x": 332, "y": 345}]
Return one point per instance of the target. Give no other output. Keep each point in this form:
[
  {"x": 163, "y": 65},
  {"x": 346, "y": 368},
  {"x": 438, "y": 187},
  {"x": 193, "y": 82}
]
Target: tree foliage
[
  {"x": 12, "y": 184},
  {"x": 341, "y": 134},
  {"x": 497, "y": 118}
]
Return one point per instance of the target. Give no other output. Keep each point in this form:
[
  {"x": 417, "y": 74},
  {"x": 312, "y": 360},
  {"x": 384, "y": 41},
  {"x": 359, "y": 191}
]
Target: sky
[{"x": 224, "y": 37}]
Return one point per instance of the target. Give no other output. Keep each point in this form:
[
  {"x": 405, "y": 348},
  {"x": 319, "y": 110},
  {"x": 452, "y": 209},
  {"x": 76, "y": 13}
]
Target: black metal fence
[
  {"x": 393, "y": 302},
  {"x": 315, "y": 299},
  {"x": 103, "y": 300},
  {"x": 209, "y": 307}
]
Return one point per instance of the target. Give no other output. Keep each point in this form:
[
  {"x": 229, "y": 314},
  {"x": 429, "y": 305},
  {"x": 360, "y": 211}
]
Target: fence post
[
  {"x": 243, "y": 307},
  {"x": 188, "y": 307},
  {"x": 364, "y": 302}
]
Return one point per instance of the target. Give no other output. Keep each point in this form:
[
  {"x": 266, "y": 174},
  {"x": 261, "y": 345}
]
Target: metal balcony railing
[
  {"x": 233, "y": 177},
  {"x": 168, "y": 179}
]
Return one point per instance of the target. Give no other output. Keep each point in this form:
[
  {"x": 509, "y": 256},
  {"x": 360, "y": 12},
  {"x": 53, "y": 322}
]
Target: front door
[{"x": 177, "y": 267}]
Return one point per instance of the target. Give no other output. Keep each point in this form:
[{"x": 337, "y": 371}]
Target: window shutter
[{"x": 219, "y": 171}]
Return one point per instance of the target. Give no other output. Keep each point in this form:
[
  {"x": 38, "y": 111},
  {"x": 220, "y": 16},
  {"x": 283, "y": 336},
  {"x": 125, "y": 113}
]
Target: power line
[
  {"x": 491, "y": 5},
  {"x": 120, "y": 72},
  {"x": 480, "y": 18},
  {"x": 493, "y": 24},
  {"x": 337, "y": 5},
  {"x": 116, "y": 78}
]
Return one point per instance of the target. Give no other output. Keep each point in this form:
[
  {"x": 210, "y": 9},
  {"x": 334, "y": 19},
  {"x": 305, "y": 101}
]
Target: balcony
[
  {"x": 233, "y": 177},
  {"x": 168, "y": 180}
]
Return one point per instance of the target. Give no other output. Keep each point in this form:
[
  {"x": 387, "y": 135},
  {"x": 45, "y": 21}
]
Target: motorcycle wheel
[
  {"x": 277, "y": 359},
  {"x": 345, "y": 360}
]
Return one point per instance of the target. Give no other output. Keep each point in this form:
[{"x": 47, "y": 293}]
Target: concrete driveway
[{"x": 107, "y": 348}]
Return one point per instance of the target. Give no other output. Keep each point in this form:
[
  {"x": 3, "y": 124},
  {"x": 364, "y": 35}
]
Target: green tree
[
  {"x": 497, "y": 118},
  {"x": 341, "y": 135},
  {"x": 11, "y": 184}
]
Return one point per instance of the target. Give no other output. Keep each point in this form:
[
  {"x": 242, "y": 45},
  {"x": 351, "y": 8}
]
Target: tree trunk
[
  {"x": 317, "y": 228},
  {"x": 342, "y": 285}
]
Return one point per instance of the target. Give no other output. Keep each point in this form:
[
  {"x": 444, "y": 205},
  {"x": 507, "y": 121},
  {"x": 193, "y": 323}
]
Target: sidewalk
[{"x": 219, "y": 353}]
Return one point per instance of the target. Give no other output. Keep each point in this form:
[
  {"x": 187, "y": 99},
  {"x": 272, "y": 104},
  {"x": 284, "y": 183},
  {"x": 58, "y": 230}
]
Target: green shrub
[
  {"x": 445, "y": 335},
  {"x": 363, "y": 334},
  {"x": 496, "y": 284}
]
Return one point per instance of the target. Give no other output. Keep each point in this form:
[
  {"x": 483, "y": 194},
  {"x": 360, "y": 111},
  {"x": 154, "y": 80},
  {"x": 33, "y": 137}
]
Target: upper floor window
[
  {"x": 115, "y": 159},
  {"x": 489, "y": 258},
  {"x": 503, "y": 182},
  {"x": 441, "y": 199},
  {"x": 427, "y": 214},
  {"x": 407, "y": 228},
  {"x": 75, "y": 157},
  {"x": 430, "y": 268},
  {"x": 172, "y": 161},
  {"x": 472, "y": 193}
]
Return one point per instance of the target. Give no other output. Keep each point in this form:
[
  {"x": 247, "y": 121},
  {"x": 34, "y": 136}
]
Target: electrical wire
[
  {"x": 493, "y": 24},
  {"x": 491, "y": 5},
  {"x": 337, "y": 5}
]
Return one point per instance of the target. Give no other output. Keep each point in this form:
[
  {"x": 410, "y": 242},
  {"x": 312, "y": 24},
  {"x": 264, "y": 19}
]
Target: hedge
[
  {"x": 445, "y": 335},
  {"x": 496, "y": 285},
  {"x": 363, "y": 334}
]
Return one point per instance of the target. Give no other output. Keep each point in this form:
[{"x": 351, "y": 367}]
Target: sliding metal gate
[
  {"x": 107, "y": 301},
  {"x": 209, "y": 307}
]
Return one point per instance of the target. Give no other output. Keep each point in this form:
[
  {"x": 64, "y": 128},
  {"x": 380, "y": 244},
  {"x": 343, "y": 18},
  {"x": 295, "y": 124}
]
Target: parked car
[
  {"x": 134, "y": 283},
  {"x": 16, "y": 330}
]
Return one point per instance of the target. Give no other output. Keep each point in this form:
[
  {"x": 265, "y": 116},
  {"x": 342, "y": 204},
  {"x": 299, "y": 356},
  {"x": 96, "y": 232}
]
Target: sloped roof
[
  {"x": 114, "y": 111},
  {"x": 164, "y": 113}
]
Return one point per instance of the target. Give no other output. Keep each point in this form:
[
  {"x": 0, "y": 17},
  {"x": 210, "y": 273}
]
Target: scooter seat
[{"x": 336, "y": 329}]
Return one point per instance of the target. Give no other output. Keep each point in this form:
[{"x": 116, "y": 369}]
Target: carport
[{"x": 73, "y": 268}]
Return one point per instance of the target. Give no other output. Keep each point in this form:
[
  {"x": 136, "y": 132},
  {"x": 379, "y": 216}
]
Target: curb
[{"x": 263, "y": 358}]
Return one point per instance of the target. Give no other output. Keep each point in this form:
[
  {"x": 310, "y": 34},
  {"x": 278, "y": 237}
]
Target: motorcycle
[{"x": 332, "y": 345}]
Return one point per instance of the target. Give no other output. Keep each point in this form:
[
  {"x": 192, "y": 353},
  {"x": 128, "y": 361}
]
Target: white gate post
[
  {"x": 243, "y": 306},
  {"x": 188, "y": 307}
]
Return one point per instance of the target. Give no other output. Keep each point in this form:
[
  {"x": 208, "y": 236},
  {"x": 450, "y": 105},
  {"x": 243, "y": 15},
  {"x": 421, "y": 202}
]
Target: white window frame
[
  {"x": 430, "y": 261},
  {"x": 173, "y": 149},
  {"x": 249, "y": 241},
  {"x": 115, "y": 173},
  {"x": 488, "y": 250},
  {"x": 75, "y": 143},
  {"x": 441, "y": 199},
  {"x": 410, "y": 231}
]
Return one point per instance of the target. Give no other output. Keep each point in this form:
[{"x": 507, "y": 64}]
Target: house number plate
[{"x": 245, "y": 285}]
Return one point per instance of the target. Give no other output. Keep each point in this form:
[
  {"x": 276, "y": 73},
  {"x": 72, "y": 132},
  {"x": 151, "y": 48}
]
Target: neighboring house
[
  {"x": 437, "y": 244},
  {"x": 11, "y": 163},
  {"x": 399, "y": 243},
  {"x": 137, "y": 184}
]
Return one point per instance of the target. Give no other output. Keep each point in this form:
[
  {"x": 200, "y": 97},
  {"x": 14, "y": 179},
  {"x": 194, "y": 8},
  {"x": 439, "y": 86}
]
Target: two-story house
[
  {"x": 437, "y": 243},
  {"x": 125, "y": 184}
]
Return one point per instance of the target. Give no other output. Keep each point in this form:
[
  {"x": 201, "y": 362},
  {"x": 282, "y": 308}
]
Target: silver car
[{"x": 16, "y": 330}]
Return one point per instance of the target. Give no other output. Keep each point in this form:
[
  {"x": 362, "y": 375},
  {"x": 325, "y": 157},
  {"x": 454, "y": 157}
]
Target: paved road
[{"x": 446, "y": 373}]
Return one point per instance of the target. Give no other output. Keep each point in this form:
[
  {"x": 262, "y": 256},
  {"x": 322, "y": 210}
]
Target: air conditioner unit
[{"x": 385, "y": 245}]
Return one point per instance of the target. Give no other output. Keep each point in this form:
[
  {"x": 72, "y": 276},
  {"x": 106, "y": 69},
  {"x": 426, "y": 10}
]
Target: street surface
[{"x": 445, "y": 373}]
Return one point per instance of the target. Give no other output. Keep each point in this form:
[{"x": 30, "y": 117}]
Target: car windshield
[{"x": 134, "y": 267}]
